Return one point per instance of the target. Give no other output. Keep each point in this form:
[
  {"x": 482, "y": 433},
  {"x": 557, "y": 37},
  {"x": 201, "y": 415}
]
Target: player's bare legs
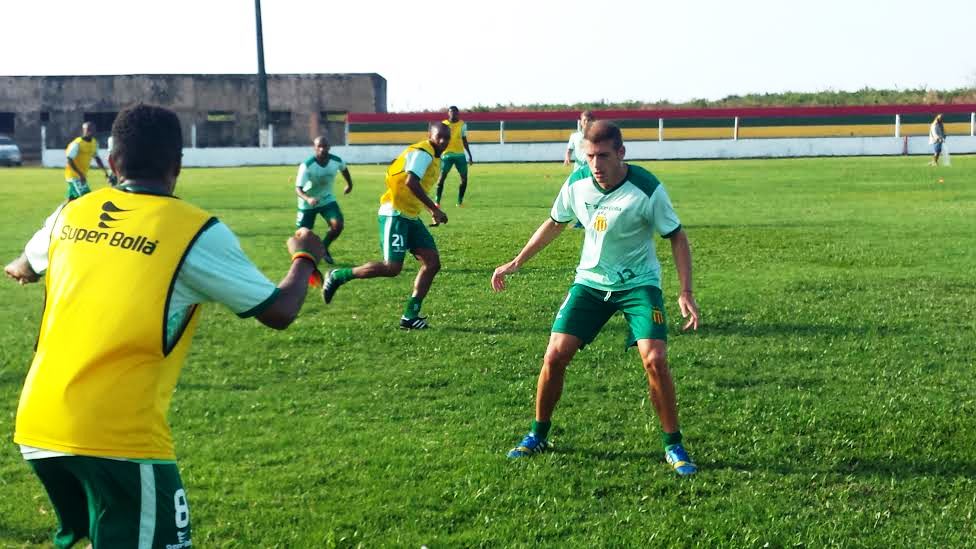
[
  {"x": 376, "y": 269},
  {"x": 335, "y": 229},
  {"x": 430, "y": 265},
  {"x": 654, "y": 355},
  {"x": 561, "y": 350}
]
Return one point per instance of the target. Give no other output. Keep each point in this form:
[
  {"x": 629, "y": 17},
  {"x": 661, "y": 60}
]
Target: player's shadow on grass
[
  {"x": 870, "y": 467},
  {"x": 906, "y": 468},
  {"x": 33, "y": 536},
  {"x": 541, "y": 332},
  {"x": 723, "y": 328}
]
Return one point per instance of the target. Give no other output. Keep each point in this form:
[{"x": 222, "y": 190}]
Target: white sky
[{"x": 433, "y": 54}]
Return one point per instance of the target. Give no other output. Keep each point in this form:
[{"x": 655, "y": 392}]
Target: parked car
[{"x": 9, "y": 152}]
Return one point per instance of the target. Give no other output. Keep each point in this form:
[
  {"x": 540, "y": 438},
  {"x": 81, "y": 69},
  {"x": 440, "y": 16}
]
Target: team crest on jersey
[{"x": 600, "y": 223}]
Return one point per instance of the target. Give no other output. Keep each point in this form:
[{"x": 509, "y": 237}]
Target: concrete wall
[
  {"x": 553, "y": 152},
  {"x": 65, "y": 100}
]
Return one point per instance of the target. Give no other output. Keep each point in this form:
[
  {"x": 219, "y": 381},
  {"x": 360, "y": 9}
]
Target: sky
[{"x": 468, "y": 53}]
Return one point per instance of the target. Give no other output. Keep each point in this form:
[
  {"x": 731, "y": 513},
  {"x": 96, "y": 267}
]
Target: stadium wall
[
  {"x": 553, "y": 152},
  {"x": 686, "y": 133},
  {"x": 215, "y": 110}
]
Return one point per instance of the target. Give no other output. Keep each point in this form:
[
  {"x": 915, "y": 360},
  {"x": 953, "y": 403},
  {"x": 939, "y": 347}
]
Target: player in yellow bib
[
  {"x": 454, "y": 155},
  {"x": 128, "y": 269},
  {"x": 78, "y": 156},
  {"x": 408, "y": 180}
]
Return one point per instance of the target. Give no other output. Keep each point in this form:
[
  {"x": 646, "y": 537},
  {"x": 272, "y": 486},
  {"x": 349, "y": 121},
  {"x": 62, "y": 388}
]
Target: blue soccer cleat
[
  {"x": 528, "y": 447},
  {"x": 678, "y": 459}
]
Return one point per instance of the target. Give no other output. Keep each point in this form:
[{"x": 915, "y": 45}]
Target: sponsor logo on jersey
[
  {"x": 600, "y": 223},
  {"x": 117, "y": 239}
]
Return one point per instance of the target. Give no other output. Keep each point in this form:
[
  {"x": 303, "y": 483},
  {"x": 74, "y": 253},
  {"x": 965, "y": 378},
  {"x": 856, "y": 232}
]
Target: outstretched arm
[
  {"x": 681, "y": 251},
  {"x": 306, "y": 249},
  {"x": 546, "y": 233}
]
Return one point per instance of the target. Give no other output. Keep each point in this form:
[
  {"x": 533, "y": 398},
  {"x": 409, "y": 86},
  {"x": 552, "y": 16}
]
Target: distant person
[
  {"x": 79, "y": 155},
  {"x": 574, "y": 149},
  {"x": 937, "y": 137},
  {"x": 622, "y": 206},
  {"x": 127, "y": 270},
  {"x": 313, "y": 185},
  {"x": 454, "y": 156},
  {"x": 408, "y": 180}
]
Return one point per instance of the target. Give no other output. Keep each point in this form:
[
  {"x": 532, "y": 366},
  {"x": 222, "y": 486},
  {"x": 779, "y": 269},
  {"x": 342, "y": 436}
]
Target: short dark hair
[
  {"x": 452, "y": 108},
  {"x": 147, "y": 142},
  {"x": 601, "y": 131}
]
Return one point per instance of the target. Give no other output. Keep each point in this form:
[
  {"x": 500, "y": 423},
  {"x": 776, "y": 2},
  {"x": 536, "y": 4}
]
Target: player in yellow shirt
[
  {"x": 408, "y": 180},
  {"x": 125, "y": 266},
  {"x": 454, "y": 155},
  {"x": 79, "y": 154}
]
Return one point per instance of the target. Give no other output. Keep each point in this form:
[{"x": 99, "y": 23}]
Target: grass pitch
[{"x": 828, "y": 397}]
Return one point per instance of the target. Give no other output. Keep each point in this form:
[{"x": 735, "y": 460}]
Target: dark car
[{"x": 9, "y": 152}]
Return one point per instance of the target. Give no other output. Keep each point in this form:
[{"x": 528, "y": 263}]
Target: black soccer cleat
[
  {"x": 330, "y": 286},
  {"x": 419, "y": 323}
]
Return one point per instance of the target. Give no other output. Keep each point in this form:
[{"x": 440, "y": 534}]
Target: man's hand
[
  {"x": 348, "y": 188},
  {"x": 686, "y": 301},
  {"x": 21, "y": 271},
  {"x": 471, "y": 161},
  {"x": 312, "y": 201},
  {"x": 305, "y": 240},
  {"x": 439, "y": 216},
  {"x": 498, "y": 277}
]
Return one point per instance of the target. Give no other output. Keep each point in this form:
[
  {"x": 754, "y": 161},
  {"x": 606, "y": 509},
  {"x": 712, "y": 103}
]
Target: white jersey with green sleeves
[
  {"x": 317, "y": 180},
  {"x": 576, "y": 145},
  {"x": 618, "y": 247}
]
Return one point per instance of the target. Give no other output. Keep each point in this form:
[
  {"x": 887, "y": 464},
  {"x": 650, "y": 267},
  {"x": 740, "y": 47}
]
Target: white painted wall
[{"x": 553, "y": 152}]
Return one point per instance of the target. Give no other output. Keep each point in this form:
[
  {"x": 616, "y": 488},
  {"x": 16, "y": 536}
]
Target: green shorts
[
  {"x": 586, "y": 310},
  {"x": 458, "y": 160},
  {"x": 116, "y": 503},
  {"x": 399, "y": 234},
  {"x": 76, "y": 188},
  {"x": 329, "y": 212}
]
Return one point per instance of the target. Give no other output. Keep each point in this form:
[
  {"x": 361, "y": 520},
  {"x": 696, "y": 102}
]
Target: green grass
[{"x": 828, "y": 397}]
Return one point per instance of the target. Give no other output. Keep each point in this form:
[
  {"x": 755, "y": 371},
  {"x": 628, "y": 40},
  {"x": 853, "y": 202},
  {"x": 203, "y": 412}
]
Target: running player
[
  {"x": 313, "y": 185},
  {"x": 408, "y": 180}
]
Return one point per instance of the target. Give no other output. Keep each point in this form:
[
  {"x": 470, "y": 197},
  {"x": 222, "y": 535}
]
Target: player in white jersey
[
  {"x": 621, "y": 207},
  {"x": 574, "y": 148},
  {"x": 313, "y": 185}
]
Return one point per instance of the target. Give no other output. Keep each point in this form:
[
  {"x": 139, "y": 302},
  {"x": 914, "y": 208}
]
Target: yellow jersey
[
  {"x": 82, "y": 159},
  {"x": 103, "y": 374},
  {"x": 458, "y": 131},
  {"x": 397, "y": 194}
]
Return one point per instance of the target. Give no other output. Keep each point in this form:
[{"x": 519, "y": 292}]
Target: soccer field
[{"x": 828, "y": 398}]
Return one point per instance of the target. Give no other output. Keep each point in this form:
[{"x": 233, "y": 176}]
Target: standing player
[
  {"x": 408, "y": 180},
  {"x": 574, "y": 149},
  {"x": 127, "y": 270},
  {"x": 937, "y": 137},
  {"x": 454, "y": 155},
  {"x": 316, "y": 177},
  {"x": 79, "y": 155},
  {"x": 621, "y": 206}
]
